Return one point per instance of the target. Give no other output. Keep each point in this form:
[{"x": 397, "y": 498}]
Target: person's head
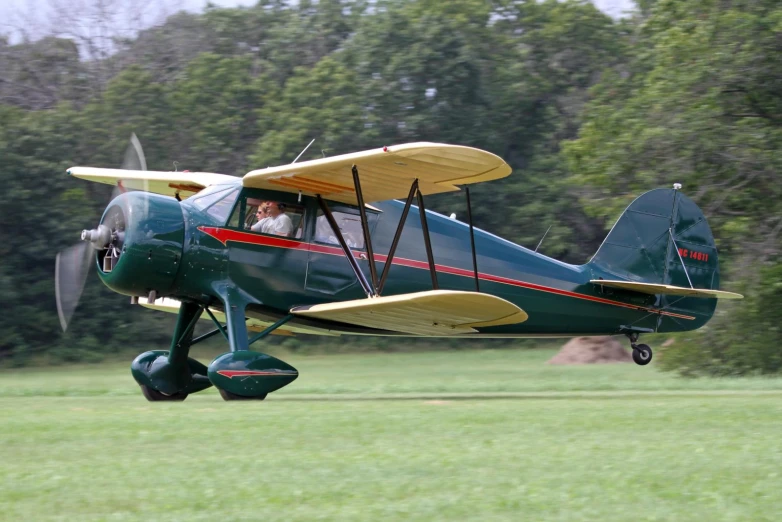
[
  {"x": 275, "y": 208},
  {"x": 263, "y": 210}
]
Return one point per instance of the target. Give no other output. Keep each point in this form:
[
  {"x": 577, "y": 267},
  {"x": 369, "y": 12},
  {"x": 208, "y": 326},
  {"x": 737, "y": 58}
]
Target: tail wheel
[
  {"x": 228, "y": 396},
  {"x": 153, "y": 395},
  {"x": 642, "y": 354}
]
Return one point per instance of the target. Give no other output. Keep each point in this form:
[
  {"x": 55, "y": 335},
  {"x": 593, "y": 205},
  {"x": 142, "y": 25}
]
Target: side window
[
  {"x": 349, "y": 225},
  {"x": 272, "y": 217}
]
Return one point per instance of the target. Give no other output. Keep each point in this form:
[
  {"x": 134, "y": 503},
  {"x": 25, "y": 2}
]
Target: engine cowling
[{"x": 145, "y": 250}]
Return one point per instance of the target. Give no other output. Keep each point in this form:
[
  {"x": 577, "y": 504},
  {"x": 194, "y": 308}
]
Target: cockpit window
[
  {"x": 274, "y": 217},
  {"x": 218, "y": 203},
  {"x": 349, "y": 225}
]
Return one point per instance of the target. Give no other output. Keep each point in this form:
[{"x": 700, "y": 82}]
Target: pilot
[{"x": 276, "y": 222}]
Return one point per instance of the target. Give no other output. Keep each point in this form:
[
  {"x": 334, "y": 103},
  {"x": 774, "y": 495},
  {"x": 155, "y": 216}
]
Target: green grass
[{"x": 490, "y": 435}]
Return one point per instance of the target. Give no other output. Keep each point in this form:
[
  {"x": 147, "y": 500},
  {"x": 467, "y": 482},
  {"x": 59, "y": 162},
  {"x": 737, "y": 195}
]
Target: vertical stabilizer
[{"x": 661, "y": 238}]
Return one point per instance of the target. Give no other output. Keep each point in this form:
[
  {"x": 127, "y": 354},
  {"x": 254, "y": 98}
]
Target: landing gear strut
[
  {"x": 241, "y": 374},
  {"x": 642, "y": 353}
]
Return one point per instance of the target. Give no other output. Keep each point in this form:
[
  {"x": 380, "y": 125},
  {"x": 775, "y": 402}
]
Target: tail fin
[{"x": 661, "y": 238}]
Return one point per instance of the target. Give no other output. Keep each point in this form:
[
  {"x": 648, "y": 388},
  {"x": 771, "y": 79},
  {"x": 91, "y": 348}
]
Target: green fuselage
[{"x": 271, "y": 274}]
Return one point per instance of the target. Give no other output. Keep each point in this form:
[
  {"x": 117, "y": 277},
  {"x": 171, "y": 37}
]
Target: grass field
[{"x": 478, "y": 435}]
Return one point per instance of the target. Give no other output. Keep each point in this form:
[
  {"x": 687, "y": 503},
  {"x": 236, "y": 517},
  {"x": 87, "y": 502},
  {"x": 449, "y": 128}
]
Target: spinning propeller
[{"x": 73, "y": 264}]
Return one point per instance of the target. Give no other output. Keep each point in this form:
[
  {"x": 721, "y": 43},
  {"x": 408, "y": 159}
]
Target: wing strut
[
  {"x": 414, "y": 190},
  {"x": 348, "y": 253},
  {"x": 365, "y": 229},
  {"x": 397, "y": 235},
  {"x": 374, "y": 287},
  {"x": 272, "y": 327},
  {"x": 427, "y": 240},
  {"x": 472, "y": 240}
]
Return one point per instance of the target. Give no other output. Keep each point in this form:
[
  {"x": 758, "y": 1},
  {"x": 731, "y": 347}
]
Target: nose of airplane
[{"x": 144, "y": 252}]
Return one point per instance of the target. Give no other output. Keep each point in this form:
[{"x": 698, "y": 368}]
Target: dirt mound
[{"x": 592, "y": 350}]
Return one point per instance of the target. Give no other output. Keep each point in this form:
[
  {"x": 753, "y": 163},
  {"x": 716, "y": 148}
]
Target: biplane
[{"x": 353, "y": 251}]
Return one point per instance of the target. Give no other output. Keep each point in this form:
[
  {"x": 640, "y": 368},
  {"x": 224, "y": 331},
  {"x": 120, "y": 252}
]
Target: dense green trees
[
  {"x": 699, "y": 101},
  {"x": 684, "y": 91}
]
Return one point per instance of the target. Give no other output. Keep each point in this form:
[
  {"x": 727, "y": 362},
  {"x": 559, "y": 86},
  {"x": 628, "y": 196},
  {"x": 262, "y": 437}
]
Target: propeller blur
[{"x": 73, "y": 264}]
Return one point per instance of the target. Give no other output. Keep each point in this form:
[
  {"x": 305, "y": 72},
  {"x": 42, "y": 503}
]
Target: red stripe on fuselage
[
  {"x": 224, "y": 235},
  {"x": 252, "y": 373}
]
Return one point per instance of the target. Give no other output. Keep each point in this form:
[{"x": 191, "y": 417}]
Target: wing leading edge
[
  {"x": 385, "y": 173},
  {"x": 431, "y": 313}
]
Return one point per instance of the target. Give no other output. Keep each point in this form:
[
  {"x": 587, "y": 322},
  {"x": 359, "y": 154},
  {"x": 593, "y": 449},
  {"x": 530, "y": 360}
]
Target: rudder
[{"x": 642, "y": 246}]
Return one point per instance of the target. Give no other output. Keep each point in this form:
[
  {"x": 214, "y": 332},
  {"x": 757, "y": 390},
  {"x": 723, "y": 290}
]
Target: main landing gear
[
  {"x": 239, "y": 375},
  {"x": 642, "y": 353}
]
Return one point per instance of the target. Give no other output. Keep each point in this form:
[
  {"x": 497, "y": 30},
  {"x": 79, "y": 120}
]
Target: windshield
[
  {"x": 197, "y": 200},
  {"x": 217, "y": 201}
]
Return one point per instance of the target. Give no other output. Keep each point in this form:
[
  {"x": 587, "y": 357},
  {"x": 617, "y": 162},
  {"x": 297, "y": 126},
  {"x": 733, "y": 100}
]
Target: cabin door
[{"x": 329, "y": 273}]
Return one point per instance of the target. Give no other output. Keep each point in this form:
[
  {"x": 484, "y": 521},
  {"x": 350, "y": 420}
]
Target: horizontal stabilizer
[
  {"x": 654, "y": 289},
  {"x": 167, "y": 183},
  {"x": 435, "y": 312}
]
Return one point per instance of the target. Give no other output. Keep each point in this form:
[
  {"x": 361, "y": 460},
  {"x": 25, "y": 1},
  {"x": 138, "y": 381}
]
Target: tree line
[{"x": 588, "y": 111}]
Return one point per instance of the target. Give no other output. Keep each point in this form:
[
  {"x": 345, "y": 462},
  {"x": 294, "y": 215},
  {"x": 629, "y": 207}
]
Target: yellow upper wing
[
  {"x": 167, "y": 183},
  {"x": 385, "y": 173}
]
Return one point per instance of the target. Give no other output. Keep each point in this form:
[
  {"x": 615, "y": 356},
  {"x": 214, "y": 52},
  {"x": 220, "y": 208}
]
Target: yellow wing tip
[{"x": 519, "y": 316}]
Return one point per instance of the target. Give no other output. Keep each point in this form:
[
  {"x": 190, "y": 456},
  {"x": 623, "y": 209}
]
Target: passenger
[
  {"x": 323, "y": 232},
  {"x": 261, "y": 216},
  {"x": 277, "y": 222}
]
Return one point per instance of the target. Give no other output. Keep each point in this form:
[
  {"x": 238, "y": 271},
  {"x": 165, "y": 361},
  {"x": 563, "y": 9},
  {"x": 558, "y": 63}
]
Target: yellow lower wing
[
  {"x": 654, "y": 289},
  {"x": 435, "y": 312},
  {"x": 165, "y": 304}
]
